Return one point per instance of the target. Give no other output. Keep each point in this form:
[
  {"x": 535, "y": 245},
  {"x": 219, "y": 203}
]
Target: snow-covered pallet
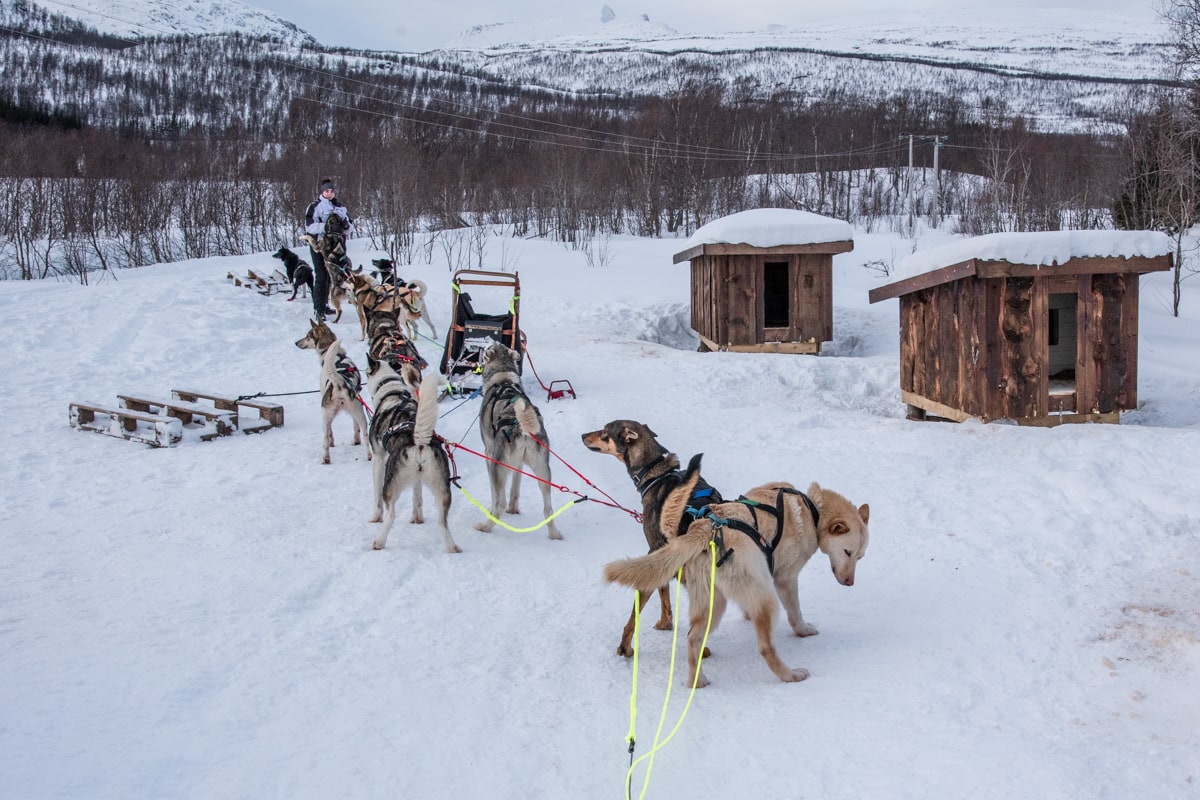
[
  {"x": 270, "y": 415},
  {"x": 165, "y": 423},
  {"x": 124, "y": 423}
]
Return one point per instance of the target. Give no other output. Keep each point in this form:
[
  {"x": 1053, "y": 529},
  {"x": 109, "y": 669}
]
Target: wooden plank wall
[
  {"x": 704, "y": 275},
  {"x": 981, "y": 345},
  {"x": 1113, "y": 345},
  {"x": 741, "y": 298},
  {"x": 1023, "y": 374},
  {"x": 811, "y": 280}
]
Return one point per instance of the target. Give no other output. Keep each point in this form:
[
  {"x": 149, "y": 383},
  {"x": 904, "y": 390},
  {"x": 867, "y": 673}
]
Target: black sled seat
[{"x": 471, "y": 332}]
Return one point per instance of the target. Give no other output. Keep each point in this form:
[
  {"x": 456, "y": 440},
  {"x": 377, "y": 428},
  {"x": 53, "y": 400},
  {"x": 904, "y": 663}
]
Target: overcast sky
[{"x": 424, "y": 25}]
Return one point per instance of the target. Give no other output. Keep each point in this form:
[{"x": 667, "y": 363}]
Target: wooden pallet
[
  {"x": 163, "y": 423},
  {"x": 264, "y": 284},
  {"x": 270, "y": 415},
  {"x": 124, "y": 423}
]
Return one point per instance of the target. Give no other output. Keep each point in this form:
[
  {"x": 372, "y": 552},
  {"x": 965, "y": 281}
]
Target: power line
[{"x": 585, "y": 139}]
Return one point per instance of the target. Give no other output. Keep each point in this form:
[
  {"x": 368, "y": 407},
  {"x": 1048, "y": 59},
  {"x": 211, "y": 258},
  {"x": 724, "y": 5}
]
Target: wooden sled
[{"x": 163, "y": 423}]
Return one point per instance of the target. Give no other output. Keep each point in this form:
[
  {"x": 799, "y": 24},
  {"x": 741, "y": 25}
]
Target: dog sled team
[{"x": 759, "y": 541}]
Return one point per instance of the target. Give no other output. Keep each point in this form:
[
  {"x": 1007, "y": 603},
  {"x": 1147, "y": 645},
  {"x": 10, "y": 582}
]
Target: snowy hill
[
  {"x": 1037, "y": 42},
  {"x": 142, "y": 18},
  {"x": 1064, "y": 71}
]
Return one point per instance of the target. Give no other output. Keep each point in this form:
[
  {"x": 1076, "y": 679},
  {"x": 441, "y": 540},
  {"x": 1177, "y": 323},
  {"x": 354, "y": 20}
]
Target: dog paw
[
  {"x": 663, "y": 624},
  {"x": 325, "y": 460},
  {"x": 796, "y": 676},
  {"x": 376, "y": 545},
  {"x": 417, "y": 520},
  {"x": 455, "y": 549},
  {"x": 806, "y": 630},
  {"x": 701, "y": 681},
  {"x": 513, "y": 509},
  {"x": 484, "y": 527},
  {"x": 624, "y": 650},
  {"x": 376, "y": 518},
  {"x": 555, "y": 534}
]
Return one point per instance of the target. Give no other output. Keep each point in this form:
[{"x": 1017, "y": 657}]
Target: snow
[
  {"x": 209, "y": 620},
  {"x": 771, "y": 227},
  {"x": 1039, "y": 248}
]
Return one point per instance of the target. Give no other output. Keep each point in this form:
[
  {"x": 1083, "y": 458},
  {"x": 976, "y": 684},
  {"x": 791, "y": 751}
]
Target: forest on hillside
[{"x": 117, "y": 153}]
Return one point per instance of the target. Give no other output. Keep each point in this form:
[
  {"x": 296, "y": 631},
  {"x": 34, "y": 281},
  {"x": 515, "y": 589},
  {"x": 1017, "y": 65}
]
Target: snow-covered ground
[{"x": 209, "y": 620}]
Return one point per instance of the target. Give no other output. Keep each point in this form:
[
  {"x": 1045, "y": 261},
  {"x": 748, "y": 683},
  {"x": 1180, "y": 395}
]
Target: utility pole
[
  {"x": 908, "y": 179},
  {"x": 937, "y": 181}
]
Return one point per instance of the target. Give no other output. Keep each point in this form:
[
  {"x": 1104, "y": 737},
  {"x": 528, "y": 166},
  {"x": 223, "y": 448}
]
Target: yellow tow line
[
  {"x": 712, "y": 584},
  {"x": 504, "y": 524}
]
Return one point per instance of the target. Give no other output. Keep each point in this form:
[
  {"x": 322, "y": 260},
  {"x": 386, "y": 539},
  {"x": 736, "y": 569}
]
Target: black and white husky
[
  {"x": 406, "y": 452},
  {"x": 509, "y": 424}
]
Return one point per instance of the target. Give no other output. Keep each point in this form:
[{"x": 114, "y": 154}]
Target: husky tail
[
  {"x": 527, "y": 417},
  {"x": 675, "y": 506},
  {"x": 427, "y": 409},
  {"x": 647, "y": 573}
]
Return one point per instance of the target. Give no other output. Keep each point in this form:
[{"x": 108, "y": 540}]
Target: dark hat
[{"x": 328, "y": 184}]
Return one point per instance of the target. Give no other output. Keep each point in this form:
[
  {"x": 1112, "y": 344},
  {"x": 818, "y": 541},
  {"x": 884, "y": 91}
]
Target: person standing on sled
[{"x": 315, "y": 217}]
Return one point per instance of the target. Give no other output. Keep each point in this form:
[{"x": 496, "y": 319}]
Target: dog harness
[
  {"x": 767, "y": 548},
  {"x": 506, "y": 396},
  {"x": 406, "y": 409},
  {"x": 349, "y": 373},
  {"x": 703, "y": 494}
]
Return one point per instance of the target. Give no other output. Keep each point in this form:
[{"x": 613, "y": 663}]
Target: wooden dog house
[
  {"x": 1040, "y": 328},
  {"x": 762, "y": 280}
]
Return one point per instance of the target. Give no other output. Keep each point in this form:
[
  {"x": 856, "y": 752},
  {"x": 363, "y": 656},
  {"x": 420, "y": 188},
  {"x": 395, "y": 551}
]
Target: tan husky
[
  {"x": 762, "y": 542},
  {"x": 340, "y": 384}
]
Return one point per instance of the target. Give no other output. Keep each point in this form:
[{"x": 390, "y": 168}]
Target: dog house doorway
[
  {"x": 1063, "y": 348},
  {"x": 777, "y": 294}
]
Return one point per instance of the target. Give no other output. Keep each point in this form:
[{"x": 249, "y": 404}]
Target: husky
[
  {"x": 761, "y": 543},
  {"x": 299, "y": 272},
  {"x": 407, "y": 453},
  {"x": 404, "y": 301},
  {"x": 340, "y": 383},
  {"x": 387, "y": 343},
  {"x": 655, "y": 474},
  {"x": 509, "y": 424}
]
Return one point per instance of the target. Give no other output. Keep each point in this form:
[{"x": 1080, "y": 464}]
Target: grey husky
[
  {"x": 406, "y": 451},
  {"x": 513, "y": 434}
]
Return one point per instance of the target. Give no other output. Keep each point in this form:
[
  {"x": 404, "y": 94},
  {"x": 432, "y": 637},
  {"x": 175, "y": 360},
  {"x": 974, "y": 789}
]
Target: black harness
[
  {"x": 406, "y": 409},
  {"x": 505, "y": 396},
  {"x": 703, "y": 493},
  {"x": 349, "y": 374},
  {"x": 767, "y": 548}
]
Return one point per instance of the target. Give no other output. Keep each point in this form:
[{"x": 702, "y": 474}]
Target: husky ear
[
  {"x": 412, "y": 376},
  {"x": 864, "y": 511},
  {"x": 814, "y": 493},
  {"x": 629, "y": 434}
]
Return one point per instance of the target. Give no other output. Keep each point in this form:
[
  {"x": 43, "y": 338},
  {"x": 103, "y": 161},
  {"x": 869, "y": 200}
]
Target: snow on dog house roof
[
  {"x": 771, "y": 230},
  {"x": 1030, "y": 254}
]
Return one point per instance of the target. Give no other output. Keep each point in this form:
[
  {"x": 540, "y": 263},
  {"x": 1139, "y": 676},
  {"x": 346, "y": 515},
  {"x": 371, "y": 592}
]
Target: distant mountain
[
  {"x": 1045, "y": 41},
  {"x": 143, "y": 18},
  {"x": 1065, "y": 69},
  {"x": 604, "y": 26}
]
